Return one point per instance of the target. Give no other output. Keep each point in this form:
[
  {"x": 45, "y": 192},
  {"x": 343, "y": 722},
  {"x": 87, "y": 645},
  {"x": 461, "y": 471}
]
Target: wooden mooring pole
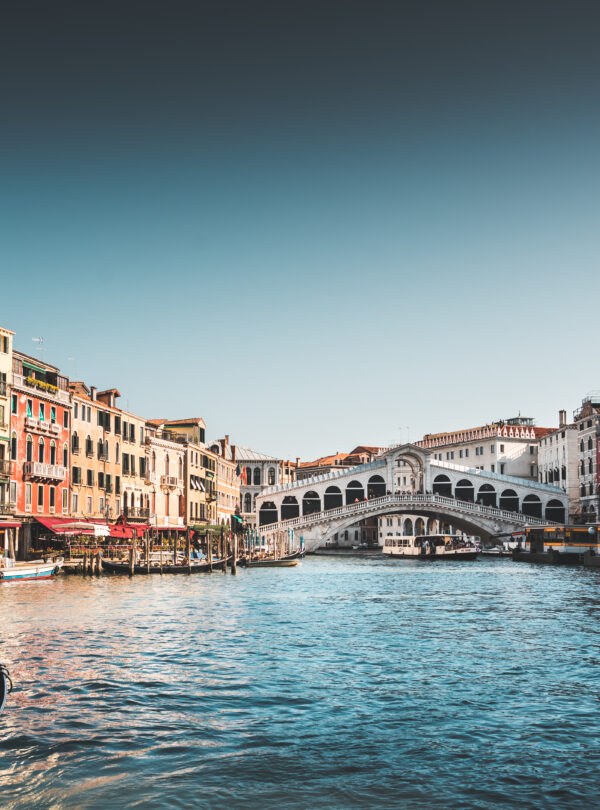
[
  {"x": 235, "y": 554},
  {"x": 188, "y": 550}
]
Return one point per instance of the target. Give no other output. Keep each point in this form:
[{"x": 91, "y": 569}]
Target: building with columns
[{"x": 255, "y": 472}]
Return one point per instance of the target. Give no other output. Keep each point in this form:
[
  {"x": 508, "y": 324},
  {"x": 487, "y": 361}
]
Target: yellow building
[
  {"x": 228, "y": 480},
  {"x": 7, "y": 499}
]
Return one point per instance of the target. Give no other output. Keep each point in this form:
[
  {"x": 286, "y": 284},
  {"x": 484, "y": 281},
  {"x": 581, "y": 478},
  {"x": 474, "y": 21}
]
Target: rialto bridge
[{"x": 406, "y": 480}]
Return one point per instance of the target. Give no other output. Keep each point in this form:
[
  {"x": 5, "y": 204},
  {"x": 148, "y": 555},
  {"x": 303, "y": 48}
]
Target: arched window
[
  {"x": 590, "y": 465},
  {"x": 117, "y": 452},
  {"x": 53, "y": 452},
  {"x": 41, "y": 450},
  {"x": 271, "y": 476},
  {"x": 106, "y": 449},
  {"x": 167, "y": 465},
  {"x": 75, "y": 442},
  {"x": 464, "y": 490},
  {"x": 590, "y": 443},
  {"x": 408, "y": 528},
  {"x": 65, "y": 455},
  {"x": 442, "y": 486},
  {"x": 13, "y": 446},
  {"x": 29, "y": 448},
  {"x": 257, "y": 476},
  {"x": 247, "y": 502},
  {"x": 332, "y": 498}
]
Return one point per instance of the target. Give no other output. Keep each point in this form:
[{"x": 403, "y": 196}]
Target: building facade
[
  {"x": 7, "y": 498},
  {"x": 558, "y": 461},
  {"x": 587, "y": 421},
  {"x": 40, "y": 438},
  {"x": 166, "y": 477}
]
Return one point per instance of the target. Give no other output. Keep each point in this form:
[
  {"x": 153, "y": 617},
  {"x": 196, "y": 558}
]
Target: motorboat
[
  {"x": 13, "y": 571},
  {"x": 431, "y": 547}
]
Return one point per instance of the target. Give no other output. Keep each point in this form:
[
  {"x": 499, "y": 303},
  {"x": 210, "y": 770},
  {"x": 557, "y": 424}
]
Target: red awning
[
  {"x": 54, "y": 524},
  {"x": 9, "y": 524},
  {"x": 126, "y": 531}
]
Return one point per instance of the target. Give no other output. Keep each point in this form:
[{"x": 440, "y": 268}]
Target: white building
[
  {"x": 558, "y": 460},
  {"x": 508, "y": 447},
  {"x": 587, "y": 420}
]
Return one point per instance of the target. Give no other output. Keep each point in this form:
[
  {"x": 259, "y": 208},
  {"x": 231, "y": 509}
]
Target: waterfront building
[
  {"x": 228, "y": 481},
  {"x": 7, "y": 498},
  {"x": 165, "y": 474},
  {"x": 96, "y": 452},
  {"x": 361, "y": 454},
  {"x": 255, "y": 472},
  {"x": 587, "y": 421},
  {"x": 509, "y": 447},
  {"x": 200, "y": 469},
  {"x": 40, "y": 436},
  {"x": 558, "y": 461}
]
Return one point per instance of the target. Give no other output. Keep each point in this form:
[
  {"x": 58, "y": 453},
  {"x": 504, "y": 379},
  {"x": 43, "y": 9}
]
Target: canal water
[{"x": 341, "y": 683}]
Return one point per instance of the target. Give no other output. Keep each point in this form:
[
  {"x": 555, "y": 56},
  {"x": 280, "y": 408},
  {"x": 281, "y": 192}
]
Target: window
[
  {"x": 75, "y": 443},
  {"x": 531, "y": 449},
  {"x": 29, "y": 450},
  {"x": 125, "y": 464},
  {"x": 90, "y": 478},
  {"x": 502, "y": 448},
  {"x": 52, "y": 498},
  {"x": 53, "y": 452},
  {"x": 28, "y": 497},
  {"x": 142, "y": 467},
  {"x": 42, "y": 412},
  {"x": 76, "y": 475},
  {"x": 257, "y": 477},
  {"x": 271, "y": 476},
  {"x": 532, "y": 470},
  {"x": 13, "y": 403},
  {"x": 76, "y": 410},
  {"x": 118, "y": 425},
  {"x": 89, "y": 447},
  {"x": 117, "y": 487},
  {"x": 52, "y": 414},
  {"x": 41, "y": 450},
  {"x": 117, "y": 452},
  {"x": 502, "y": 466},
  {"x": 590, "y": 443},
  {"x": 13, "y": 446},
  {"x": 460, "y": 453},
  {"x": 492, "y": 448},
  {"x": 141, "y": 435},
  {"x": 132, "y": 432},
  {"x": 4, "y": 344},
  {"x": 89, "y": 505},
  {"x": 65, "y": 500},
  {"x": 65, "y": 419},
  {"x": 467, "y": 452},
  {"x": 581, "y": 446},
  {"x": 40, "y": 500},
  {"x": 101, "y": 480},
  {"x": 477, "y": 451},
  {"x": 493, "y": 467},
  {"x": 30, "y": 408}
]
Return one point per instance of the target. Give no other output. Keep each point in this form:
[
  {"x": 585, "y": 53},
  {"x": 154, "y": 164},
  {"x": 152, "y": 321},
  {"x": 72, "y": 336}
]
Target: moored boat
[
  {"x": 12, "y": 571},
  {"x": 558, "y": 545},
  {"x": 431, "y": 547},
  {"x": 272, "y": 562},
  {"x": 180, "y": 567}
]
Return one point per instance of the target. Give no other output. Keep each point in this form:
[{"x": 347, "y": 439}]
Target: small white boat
[{"x": 12, "y": 571}]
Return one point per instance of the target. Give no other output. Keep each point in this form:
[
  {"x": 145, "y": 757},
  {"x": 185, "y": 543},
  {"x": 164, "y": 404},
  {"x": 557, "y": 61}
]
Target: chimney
[
  {"x": 297, "y": 461},
  {"x": 233, "y": 453},
  {"x": 226, "y": 440},
  {"x": 562, "y": 418},
  {"x": 93, "y": 393}
]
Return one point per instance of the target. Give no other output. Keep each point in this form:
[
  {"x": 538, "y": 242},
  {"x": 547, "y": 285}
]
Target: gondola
[
  {"x": 274, "y": 562},
  {"x": 194, "y": 567}
]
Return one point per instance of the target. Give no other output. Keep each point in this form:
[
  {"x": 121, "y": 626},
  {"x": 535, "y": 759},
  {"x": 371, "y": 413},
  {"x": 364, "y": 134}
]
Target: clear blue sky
[{"x": 313, "y": 230}]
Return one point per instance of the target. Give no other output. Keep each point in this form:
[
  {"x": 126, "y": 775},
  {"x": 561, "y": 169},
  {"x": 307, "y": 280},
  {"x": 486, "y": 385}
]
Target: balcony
[
  {"x": 8, "y": 507},
  {"x": 170, "y": 482},
  {"x": 54, "y": 428},
  {"x": 5, "y": 467},
  {"x": 151, "y": 477},
  {"x": 47, "y": 472},
  {"x": 136, "y": 512},
  {"x": 21, "y": 381}
]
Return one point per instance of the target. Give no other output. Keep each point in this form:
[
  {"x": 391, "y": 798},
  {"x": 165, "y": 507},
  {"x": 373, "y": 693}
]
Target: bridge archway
[
  {"x": 289, "y": 508},
  {"x": 487, "y": 495},
  {"x": 311, "y": 503},
  {"x": 267, "y": 514},
  {"x": 509, "y": 500},
  {"x": 442, "y": 486},
  {"x": 376, "y": 486},
  {"x": 332, "y": 498},
  {"x": 555, "y": 511},
  {"x": 354, "y": 492},
  {"x": 464, "y": 490},
  {"x": 532, "y": 506}
]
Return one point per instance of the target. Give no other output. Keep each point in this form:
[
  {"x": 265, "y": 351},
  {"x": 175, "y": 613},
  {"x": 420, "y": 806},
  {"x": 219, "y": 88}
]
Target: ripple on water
[{"x": 340, "y": 683}]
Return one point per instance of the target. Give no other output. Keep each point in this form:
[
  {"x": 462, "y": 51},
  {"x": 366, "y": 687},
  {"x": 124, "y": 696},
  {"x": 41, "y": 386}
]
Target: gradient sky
[{"x": 313, "y": 225}]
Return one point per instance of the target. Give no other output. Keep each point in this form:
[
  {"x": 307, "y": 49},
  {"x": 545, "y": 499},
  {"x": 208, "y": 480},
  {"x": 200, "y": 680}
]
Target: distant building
[
  {"x": 508, "y": 447},
  {"x": 587, "y": 421},
  {"x": 359, "y": 455},
  {"x": 558, "y": 460}
]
